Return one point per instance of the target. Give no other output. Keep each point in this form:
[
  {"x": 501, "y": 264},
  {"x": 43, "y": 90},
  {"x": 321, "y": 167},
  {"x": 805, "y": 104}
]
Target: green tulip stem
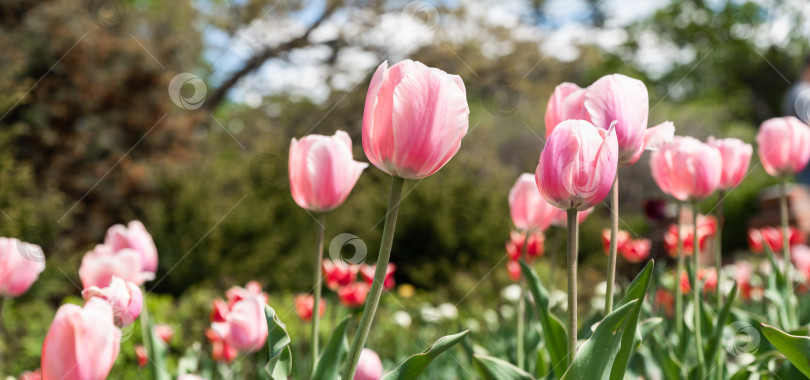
[
  {"x": 573, "y": 241},
  {"x": 696, "y": 290},
  {"x": 316, "y": 298},
  {"x": 614, "y": 236},
  {"x": 374, "y": 294}
]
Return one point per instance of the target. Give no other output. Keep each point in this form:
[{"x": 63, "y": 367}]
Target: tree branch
[{"x": 260, "y": 58}]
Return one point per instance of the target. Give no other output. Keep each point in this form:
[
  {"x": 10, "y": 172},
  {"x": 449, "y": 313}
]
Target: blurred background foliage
[{"x": 91, "y": 138}]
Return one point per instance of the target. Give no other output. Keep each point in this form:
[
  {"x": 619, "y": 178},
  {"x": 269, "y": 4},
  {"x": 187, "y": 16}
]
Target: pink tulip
[
  {"x": 528, "y": 208},
  {"x": 29, "y": 375},
  {"x": 636, "y": 250},
  {"x": 20, "y": 265},
  {"x": 624, "y": 100},
  {"x": 566, "y": 103},
  {"x": 800, "y": 255},
  {"x": 238, "y": 293},
  {"x": 577, "y": 165},
  {"x": 783, "y": 145},
  {"x": 414, "y": 119},
  {"x": 561, "y": 217},
  {"x": 369, "y": 367},
  {"x": 141, "y": 355},
  {"x": 245, "y": 326},
  {"x": 736, "y": 157},
  {"x": 82, "y": 343},
  {"x": 125, "y": 298},
  {"x": 513, "y": 270},
  {"x": 135, "y": 237},
  {"x": 101, "y": 264},
  {"x": 687, "y": 168},
  {"x": 322, "y": 171},
  {"x": 743, "y": 271}
]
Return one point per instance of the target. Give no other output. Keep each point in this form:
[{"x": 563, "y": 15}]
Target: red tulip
[
  {"x": 219, "y": 310},
  {"x": 566, "y": 103},
  {"x": 164, "y": 332},
  {"x": 636, "y": 250},
  {"x": 577, "y": 165},
  {"x": 665, "y": 300},
  {"x": 304, "y": 304},
  {"x": 322, "y": 171},
  {"x": 535, "y": 249},
  {"x": 414, "y": 119},
  {"x": 709, "y": 278},
  {"x": 220, "y": 351},
  {"x": 82, "y": 343},
  {"x": 736, "y": 158},
  {"x": 245, "y": 326},
  {"x": 367, "y": 271},
  {"x": 354, "y": 294},
  {"x": 141, "y": 355},
  {"x": 513, "y": 270},
  {"x": 125, "y": 298},
  {"x": 20, "y": 265},
  {"x": 528, "y": 208},
  {"x": 686, "y": 168},
  {"x": 755, "y": 241},
  {"x": 622, "y": 239},
  {"x": 686, "y": 287},
  {"x": 135, "y": 237},
  {"x": 101, "y": 264},
  {"x": 795, "y": 236},
  {"x": 369, "y": 367},
  {"x": 773, "y": 237},
  {"x": 743, "y": 271},
  {"x": 783, "y": 145},
  {"x": 624, "y": 100},
  {"x": 338, "y": 274}
]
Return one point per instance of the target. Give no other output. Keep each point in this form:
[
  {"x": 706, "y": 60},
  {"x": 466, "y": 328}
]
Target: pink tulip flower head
[
  {"x": 577, "y": 165},
  {"x": 624, "y": 100},
  {"x": 135, "y": 237},
  {"x": 125, "y": 298},
  {"x": 783, "y": 145},
  {"x": 20, "y": 265},
  {"x": 686, "y": 168},
  {"x": 322, "y": 171},
  {"x": 101, "y": 264},
  {"x": 529, "y": 209},
  {"x": 369, "y": 367},
  {"x": 245, "y": 326},
  {"x": 82, "y": 342},
  {"x": 566, "y": 103},
  {"x": 414, "y": 119},
  {"x": 736, "y": 158}
]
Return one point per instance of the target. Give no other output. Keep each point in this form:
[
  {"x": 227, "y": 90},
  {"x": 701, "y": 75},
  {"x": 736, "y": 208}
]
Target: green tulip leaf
[
  {"x": 333, "y": 354},
  {"x": 412, "y": 367},
  {"x": 553, "y": 330},
  {"x": 279, "y": 364},
  {"x": 713, "y": 345},
  {"x": 795, "y": 348},
  {"x": 496, "y": 369},
  {"x": 596, "y": 356},
  {"x": 636, "y": 291}
]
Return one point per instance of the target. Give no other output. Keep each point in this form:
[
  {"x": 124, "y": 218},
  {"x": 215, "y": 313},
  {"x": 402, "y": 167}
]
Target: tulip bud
[
  {"x": 322, "y": 171},
  {"x": 783, "y": 145},
  {"x": 577, "y": 165},
  {"x": 20, "y": 265},
  {"x": 125, "y": 298},
  {"x": 414, "y": 119}
]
